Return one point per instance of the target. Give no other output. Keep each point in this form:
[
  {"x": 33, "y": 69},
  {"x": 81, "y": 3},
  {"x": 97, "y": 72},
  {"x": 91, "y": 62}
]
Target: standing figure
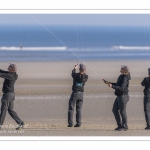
[
  {"x": 8, "y": 97},
  {"x": 146, "y": 84},
  {"x": 120, "y": 104},
  {"x": 77, "y": 95}
]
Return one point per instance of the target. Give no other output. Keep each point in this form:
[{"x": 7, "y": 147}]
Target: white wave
[
  {"x": 32, "y": 48},
  {"x": 132, "y": 47}
]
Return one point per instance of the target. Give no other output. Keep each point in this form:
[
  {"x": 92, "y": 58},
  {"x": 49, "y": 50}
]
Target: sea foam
[
  {"x": 32, "y": 48},
  {"x": 131, "y": 47}
]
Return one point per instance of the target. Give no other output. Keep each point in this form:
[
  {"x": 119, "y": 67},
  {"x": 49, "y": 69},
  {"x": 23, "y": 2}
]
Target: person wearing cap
[
  {"x": 7, "y": 101},
  {"x": 76, "y": 98},
  {"x": 146, "y": 91},
  {"x": 120, "y": 104}
]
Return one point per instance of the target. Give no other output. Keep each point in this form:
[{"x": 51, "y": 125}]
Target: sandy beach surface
[{"x": 44, "y": 88}]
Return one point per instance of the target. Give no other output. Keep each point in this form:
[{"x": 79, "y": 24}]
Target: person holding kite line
[
  {"x": 7, "y": 101},
  {"x": 77, "y": 95},
  {"x": 120, "y": 104},
  {"x": 146, "y": 91}
]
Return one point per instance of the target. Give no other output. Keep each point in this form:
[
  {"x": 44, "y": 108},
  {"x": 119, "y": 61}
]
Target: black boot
[
  {"x": 147, "y": 128},
  {"x": 117, "y": 128},
  {"x": 70, "y": 125},
  {"x": 77, "y": 125},
  {"x": 122, "y": 129}
]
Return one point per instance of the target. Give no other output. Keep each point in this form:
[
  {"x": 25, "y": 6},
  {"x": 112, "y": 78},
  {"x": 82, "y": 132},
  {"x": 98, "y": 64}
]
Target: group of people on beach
[
  {"x": 77, "y": 96},
  {"x": 120, "y": 103}
]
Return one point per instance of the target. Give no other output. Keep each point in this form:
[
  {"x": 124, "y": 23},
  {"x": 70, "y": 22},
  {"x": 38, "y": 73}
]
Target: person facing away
[
  {"x": 77, "y": 95},
  {"x": 120, "y": 104},
  {"x": 146, "y": 91},
  {"x": 7, "y": 101}
]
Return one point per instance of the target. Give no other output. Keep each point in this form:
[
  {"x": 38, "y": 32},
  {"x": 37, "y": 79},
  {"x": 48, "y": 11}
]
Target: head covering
[
  {"x": 148, "y": 70},
  {"x": 126, "y": 68},
  {"x": 82, "y": 67},
  {"x": 13, "y": 66}
]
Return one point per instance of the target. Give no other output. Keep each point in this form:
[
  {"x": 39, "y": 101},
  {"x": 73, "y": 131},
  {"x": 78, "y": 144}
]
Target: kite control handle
[{"x": 106, "y": 82}]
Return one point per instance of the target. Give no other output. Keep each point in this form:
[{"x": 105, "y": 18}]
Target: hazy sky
[{"x": 73, "y": 19}]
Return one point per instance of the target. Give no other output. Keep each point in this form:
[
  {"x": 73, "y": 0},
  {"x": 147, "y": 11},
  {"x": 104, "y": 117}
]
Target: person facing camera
[{"x": 120, "y": 104}]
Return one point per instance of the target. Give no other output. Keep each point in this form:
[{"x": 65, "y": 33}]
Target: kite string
[
  {"x": 81, "y": 40},
  {"x": 48, "y": 30},
  {"x": 148, "y": 40},
  {"x": 64, "y": 45},
  {"x": 146, "y": 28},
  {"x": 77, "y": 38},
  {"x": 55, "y": 37}
]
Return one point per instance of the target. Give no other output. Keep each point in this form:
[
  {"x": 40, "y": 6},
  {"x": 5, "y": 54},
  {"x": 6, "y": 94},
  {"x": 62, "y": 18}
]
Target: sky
[{"x": 74, "y": 19}]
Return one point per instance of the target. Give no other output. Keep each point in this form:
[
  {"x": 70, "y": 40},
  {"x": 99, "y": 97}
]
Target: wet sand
[{"x": 43, "y": 90}]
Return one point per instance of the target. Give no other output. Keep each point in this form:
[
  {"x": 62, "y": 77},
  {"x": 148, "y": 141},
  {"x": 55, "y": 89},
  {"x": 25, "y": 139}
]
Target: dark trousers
[
  {"x": 119, "y": 110},
  {"x": 75, "y": 99},
  {"x": 8, "y": 105},
  {"x": 147, "y": 110}
]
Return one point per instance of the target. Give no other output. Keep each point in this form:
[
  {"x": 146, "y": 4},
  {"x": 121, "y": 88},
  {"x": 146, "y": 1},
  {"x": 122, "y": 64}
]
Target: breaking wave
[
  {"x": 32, "y": 48},
  {"x": 132, "y": 47}
]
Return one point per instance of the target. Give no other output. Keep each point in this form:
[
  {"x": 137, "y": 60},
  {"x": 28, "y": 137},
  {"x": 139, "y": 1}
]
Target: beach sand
[{"x": 43, "y": 90}]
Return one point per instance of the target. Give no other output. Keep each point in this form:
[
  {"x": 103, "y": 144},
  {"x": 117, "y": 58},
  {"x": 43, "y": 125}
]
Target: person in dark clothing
[
  {"x": 8, "y": 97},
  {"x": 146, "y": 91},
  {"x": 76, "y": 98},
  {"x": 120, "y": 104}
]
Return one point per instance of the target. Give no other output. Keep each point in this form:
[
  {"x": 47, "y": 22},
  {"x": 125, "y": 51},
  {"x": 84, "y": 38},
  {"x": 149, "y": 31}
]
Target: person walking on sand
[
  {"x": 120, "y": 104},
  {"x": 7, "y": 101},
  {"x": 77, "y": 95},
  {"x": 146, "y": 91}
]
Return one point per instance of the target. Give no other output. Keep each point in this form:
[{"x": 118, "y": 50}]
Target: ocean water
[{"x": 62, "y": 43}]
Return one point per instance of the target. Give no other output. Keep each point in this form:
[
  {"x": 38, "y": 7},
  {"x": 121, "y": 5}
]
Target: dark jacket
[
  {"x": 146, "y": 83},
  {"x": 78, "y": 81},
  {"x": 10, "y": 79},
  {"x": 122, "y": 84}
]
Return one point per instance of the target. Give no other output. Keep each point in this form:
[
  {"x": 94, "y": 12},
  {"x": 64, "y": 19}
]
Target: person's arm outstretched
[
  {"x": 6, "y": 76},
  {"x": 74, "y": 71},
  {"x": 143, "y": 82},
  {"x": 122, "y": 86},
  {"x": 2, "y": 71}
]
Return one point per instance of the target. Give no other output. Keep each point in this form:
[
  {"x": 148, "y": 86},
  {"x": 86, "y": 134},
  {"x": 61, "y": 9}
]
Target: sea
[{"x": 74, "y": 42}]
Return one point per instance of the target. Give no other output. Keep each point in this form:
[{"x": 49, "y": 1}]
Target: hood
[
  {"x": 148, "y": 80},
  {"x": 128, "y": 76},
  {"x": 15, "y": 75},
  {"x": 82, "y": 77}
]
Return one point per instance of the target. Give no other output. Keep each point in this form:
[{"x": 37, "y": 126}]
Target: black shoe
[
  {"x": 122, "y": 129},
  {"x": 147, "y": 128},
  {"x": 77, "y": 125},
  {"x": 70, "y": 125},
  {"x": 21, "y": 126},
  {"x": 117, "y": 128}
]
